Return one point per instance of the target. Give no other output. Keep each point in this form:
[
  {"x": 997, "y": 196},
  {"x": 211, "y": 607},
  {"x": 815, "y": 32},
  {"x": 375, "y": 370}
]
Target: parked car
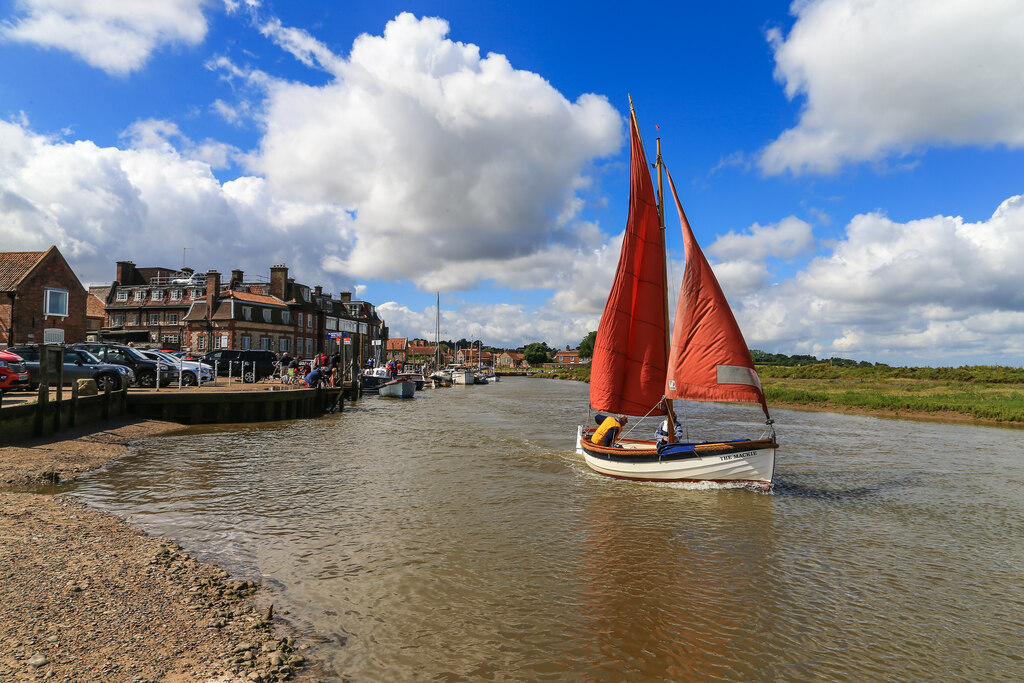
[
  {"x": 78, "y": 364},
  {"x": 145, "y": 369},
  {"x": 251, "y": 365},
  {"x": 13, "y": 373},
  {"x": 192, "y": 372}
]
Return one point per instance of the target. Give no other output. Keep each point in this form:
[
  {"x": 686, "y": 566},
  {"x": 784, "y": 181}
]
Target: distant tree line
[{"x": 781, "y": 359}]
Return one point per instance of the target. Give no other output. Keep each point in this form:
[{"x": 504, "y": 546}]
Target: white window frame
[
  {"x": 246, "y": 342},
  {"x": 283, "y": 343},
  {"x": 157, "y": 295},
  {"x": 172, "y": 318},
  {"x": 175, "y": 295},
  {"x": 122, "y": 295},
  {"x": 267, "y": 313},
  {"x": 154, "y": 319},
  {"x": 201, "y": 342},
  {"x": 51, "y": 308},
  {"x": 140, "y": 295}
]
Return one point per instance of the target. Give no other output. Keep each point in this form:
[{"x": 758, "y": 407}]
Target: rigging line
[{"x": 642, "y": 418}]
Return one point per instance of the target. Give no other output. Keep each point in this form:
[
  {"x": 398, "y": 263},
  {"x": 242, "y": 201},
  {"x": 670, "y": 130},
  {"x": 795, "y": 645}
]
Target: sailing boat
[{"x": 636, "y": 371}]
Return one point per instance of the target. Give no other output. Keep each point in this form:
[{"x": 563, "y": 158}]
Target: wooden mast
[{"x": 670, "y": 415}]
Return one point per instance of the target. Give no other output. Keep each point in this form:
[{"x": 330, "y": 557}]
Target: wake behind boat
[{"x": 636, "y": 371}]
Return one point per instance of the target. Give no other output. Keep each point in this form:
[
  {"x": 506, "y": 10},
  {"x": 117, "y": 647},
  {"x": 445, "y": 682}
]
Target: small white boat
[
  {"x": 463, "y": 376},
  {"x": 397, "y": 388}
]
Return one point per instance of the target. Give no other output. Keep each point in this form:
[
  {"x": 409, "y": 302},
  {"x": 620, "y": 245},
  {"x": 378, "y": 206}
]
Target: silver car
[
  {"x": 192, "y": 372},
  {"x": 78, "y": 364}
]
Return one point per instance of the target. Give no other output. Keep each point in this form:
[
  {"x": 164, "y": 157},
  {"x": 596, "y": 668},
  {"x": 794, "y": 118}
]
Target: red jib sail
[
  {"x": 709, "y": 360},
  {"x": 628, "y": 367}
]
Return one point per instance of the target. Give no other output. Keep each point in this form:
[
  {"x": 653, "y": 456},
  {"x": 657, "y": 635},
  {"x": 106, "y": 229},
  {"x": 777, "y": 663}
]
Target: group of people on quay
[{"x": 322, "y": 370}]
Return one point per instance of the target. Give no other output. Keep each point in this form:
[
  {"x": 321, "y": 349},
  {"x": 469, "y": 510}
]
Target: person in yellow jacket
[{"x": 609, "y": 431}]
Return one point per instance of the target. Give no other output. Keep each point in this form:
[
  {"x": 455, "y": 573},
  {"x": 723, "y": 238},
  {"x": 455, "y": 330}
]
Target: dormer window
[
  {"x": 140, "y": 295},
  {"x": 175, "y": 295},
  {"x": 122, "y": 295},
  {"x": 158, "y": 295}
]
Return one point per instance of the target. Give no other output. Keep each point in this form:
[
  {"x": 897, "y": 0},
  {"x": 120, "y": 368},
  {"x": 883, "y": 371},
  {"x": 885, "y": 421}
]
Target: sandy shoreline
[{"x": 88, "y": 597}]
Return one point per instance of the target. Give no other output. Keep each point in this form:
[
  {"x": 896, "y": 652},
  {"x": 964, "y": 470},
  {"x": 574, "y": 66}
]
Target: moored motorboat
[
  {"x": 463, "y": 376},
  {"x": 372, "y": 378}
]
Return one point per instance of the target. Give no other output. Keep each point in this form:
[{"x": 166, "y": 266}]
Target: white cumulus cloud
[
  {"x": 117, "y": 37},
  {"x": 149, "y": 203},
  {"x": 931, "y": 288},
  {"x": 455, "y": 167},
  {"x": 885, "y": 77}
]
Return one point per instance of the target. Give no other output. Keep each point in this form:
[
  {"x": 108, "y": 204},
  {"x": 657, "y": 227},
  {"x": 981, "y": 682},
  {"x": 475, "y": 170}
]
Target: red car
[{"x": 13, "y": 373}]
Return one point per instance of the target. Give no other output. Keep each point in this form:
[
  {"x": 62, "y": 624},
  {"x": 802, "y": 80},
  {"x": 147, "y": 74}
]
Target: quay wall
[{"x": 210, "y": 406}]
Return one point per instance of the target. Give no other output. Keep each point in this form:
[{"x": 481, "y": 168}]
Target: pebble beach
[{"x": 88, "y": 597}]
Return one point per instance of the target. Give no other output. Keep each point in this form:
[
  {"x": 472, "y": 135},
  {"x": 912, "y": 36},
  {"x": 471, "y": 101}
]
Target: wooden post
[
  {"x": 105, "y": 412},
  {"x": 42, "y": 403},
  {"x": 73, "y": 414}
]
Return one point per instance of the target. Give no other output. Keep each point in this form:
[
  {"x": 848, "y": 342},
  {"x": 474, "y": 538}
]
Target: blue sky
[{"x": 852, "y": 169}]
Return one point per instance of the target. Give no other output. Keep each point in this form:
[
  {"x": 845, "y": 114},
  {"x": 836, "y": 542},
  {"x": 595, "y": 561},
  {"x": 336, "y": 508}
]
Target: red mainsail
[
  {"x": 628, "y": 367},
  {"x": 709, "y": 359}
]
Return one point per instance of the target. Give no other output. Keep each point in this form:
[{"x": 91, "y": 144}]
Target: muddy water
[{"x": 456, "y": 536}]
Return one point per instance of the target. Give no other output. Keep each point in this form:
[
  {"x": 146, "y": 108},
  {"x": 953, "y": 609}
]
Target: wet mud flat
[{"x": 88, "y": 597}]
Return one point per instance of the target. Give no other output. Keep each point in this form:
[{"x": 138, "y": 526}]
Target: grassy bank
[{"x": 980, "y": 393}]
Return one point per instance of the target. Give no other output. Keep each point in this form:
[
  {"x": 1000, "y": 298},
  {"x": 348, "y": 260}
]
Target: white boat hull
[
  {"x": 462, "y": 377},
  {"x": 727, "y": 462}
]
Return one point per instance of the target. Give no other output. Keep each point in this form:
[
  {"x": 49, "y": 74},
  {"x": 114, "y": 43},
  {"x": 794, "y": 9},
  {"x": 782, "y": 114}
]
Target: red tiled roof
[
  {"x": 15, "y": 265},
  {"x": 397, "y": 343},
  {"x": 421, "y": 349},
  {"x": 252, "y": 298}
]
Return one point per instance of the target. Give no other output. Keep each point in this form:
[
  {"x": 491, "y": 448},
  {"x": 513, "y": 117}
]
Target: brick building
[
  {"x": 567, "y": 357},
  {"x": 41, "y": 299},
  {"x": 397, "y": 349},
  {"x": 203, "y": 312},
  {"x": 511, "y": 359},
  {"x": 148, "y": 305}
]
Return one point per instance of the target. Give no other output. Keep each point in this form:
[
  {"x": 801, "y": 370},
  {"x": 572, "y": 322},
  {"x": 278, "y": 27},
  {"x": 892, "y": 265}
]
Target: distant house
[
  {"x": 511, "y": 359},
  {"x": 567, "y": 357},
  {"x": 398, "y": 349},
  {"x": 41, "y": 299}
]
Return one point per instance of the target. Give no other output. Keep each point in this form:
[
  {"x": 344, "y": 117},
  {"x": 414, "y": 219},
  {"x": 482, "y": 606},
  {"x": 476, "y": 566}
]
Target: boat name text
[{"x": 733, "y": 456}]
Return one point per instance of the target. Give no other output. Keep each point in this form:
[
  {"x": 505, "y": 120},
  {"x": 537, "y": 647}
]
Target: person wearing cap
[{"x": 609, "y": 431}]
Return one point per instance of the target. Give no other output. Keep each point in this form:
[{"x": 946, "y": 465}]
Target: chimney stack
[
  {"x": 278, "y": 281},
  {"x": 126, "y": 274},
  {"x": 236, "y": 279},
  {"x": 345, "y": 297},
  {"x": 212, "y": 290},
  {"x": 318, "y": 290}
]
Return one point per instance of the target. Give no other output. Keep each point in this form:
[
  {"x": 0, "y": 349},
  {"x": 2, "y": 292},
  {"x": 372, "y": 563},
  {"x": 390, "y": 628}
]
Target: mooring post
[{"x": 73, "y": 413}]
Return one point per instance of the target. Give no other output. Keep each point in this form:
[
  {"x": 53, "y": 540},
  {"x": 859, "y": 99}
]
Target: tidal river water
[{"x": 457, "y": 536}]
